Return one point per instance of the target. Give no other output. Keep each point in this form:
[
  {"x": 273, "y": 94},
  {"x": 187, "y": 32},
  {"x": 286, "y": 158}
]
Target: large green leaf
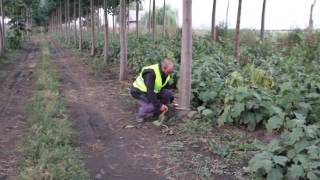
[
  {"x": 295, "y": 171},
  {"x": 261, "y": 161},
  {"x": 237, "y": 109},
  {"x": 275, "y": 174},
  {"x": 208, "y": 113},
  {"x": 282, "y": 160},
  {"x": 208, "y": 96},
  {"x": 225, "y": 117},
  {"x": 275, "y": 122}
]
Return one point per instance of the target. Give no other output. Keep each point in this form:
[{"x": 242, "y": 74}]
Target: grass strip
[{"x": 47, "y": 149}]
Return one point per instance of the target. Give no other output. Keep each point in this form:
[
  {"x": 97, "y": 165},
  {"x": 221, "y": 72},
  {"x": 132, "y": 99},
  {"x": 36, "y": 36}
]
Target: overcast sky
[{"x": 280, "y": 14}]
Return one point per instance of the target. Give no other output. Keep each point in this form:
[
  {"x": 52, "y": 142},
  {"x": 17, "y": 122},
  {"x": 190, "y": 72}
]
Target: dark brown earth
[{"x": 15, "y": 89}]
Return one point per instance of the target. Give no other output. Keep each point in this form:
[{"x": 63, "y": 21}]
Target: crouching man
[{"x": 151, "y": 89}]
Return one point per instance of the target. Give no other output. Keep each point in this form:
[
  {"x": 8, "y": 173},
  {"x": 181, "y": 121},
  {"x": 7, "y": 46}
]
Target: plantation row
[{"x": 277, "y": 88}]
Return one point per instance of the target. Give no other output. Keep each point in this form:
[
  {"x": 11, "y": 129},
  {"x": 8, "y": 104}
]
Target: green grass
[{"x": 47, "y": 149}]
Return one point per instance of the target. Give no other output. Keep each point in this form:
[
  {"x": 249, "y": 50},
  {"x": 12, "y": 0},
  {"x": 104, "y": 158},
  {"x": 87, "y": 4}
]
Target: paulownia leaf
[
  {"x": 225, "y": 117},
  {"x": 295, "y": 171},
  {"x": 313, "y": 175},
  {"x": 314, "y": 152},
  {"x": 261, "y": 161},
  {"x": 282, "y": 160},
  {"x": 201, "y": 108},
  {"x": 208, "y": 96},
  {"x": 275, "y": 174},
  {"x": 237, "y": 109},
  {"x": 296, "y": 135},
  {"x": 208, "y": 113},
  {"x": 275, "y": 122},
  {"x": 274, "y": 146}
]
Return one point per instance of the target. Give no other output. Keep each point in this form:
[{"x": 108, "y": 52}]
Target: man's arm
[{"x": 149, "y": 80}]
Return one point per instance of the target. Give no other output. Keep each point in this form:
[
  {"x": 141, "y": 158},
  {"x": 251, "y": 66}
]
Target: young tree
[
  {"x": 137, "y": 17},
  {"x": 80, "y": 26},
  {"x": 123, "y": 42},
  {"x": 106, "y": 32},
  {"x": 186, "y": 57},
  {"x": 149, "y": 20},
  {"x": 75, "y": 22},
  {"x": 237, "y": 36},
  {"x": 311, "y": 14},
  {"x": 60, "y": 18},
  {"x": 113, "y": 25},
  {"x": 262, "y": 21},
  {"x": 66, "y": 20},
  {"x": 1, "y": 40},
  {"x": 227, "y": 15},
  {"x": 93, "y": 33},
  {"x": 3, "y": 36},
  {"x": 164, "y": 18},
  {"x": 213, "y": 21},
  {"x": 154, "y": 20}
]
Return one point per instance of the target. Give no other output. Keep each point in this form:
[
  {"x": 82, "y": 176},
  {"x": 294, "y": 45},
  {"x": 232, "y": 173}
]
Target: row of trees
[
  {"x": 121, "y": 6},
  {"x": 61, "y": 15},
  {"x": 237, "y": 30}
]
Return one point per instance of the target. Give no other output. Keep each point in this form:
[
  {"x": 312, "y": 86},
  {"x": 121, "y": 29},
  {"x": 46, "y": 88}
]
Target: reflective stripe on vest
[{"x": 139, "y": 82}]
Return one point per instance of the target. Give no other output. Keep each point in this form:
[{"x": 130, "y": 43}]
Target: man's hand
[{"x": 163, "y": 108}]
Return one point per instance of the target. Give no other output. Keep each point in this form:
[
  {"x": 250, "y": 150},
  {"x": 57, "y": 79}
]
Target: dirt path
[
  {"x": 99, "y": 114},
  {"x": 15, "y": 88}
]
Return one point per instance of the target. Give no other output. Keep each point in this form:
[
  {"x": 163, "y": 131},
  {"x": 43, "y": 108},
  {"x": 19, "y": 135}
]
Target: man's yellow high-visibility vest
[{"x": 158, "y": 85}]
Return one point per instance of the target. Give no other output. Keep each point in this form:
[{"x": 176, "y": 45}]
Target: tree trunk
[
  {"x": 164, "y": 18},
  {"x": 123, "y": 42},
  {"x": 128, "y": 18},
  {"x": 3, "y": 27},
  {"x": 106, "y": 33},
  {"x": 227, "y": 15},
  {"x": 137, "y": 18},
  {"x": 66, "y": 20},
  {"x": 75, "y": 22},
  {"x": 113, "y": 25},
  {"x": 213, "y": 23},
  {"x": 149, "y": 19},
  {"x": 80, "y": 26},
  {"x": 237, "y": 37},
  {"x": 186, "y": 57},
  {"x": 262, "y": 21},
  {"x": 93, "y": 33},
  {"x": 60, "y": 19},
  {"x": 311, "y": 15},
  {"x": 153, "y": 19},
  {"x": 1, "y": 37}
]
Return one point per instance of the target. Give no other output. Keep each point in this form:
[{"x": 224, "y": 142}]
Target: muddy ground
[{"x": 15, "y": 89}]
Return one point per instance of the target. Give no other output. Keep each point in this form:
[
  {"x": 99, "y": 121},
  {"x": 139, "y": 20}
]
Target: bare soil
[{"x": 15, "y": 89}]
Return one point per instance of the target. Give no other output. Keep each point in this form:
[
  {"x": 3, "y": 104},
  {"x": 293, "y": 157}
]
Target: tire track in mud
[{"x": 98, "y": 117}]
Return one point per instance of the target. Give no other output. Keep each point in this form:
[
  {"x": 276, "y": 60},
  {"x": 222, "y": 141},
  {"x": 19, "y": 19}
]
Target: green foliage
[
  {"x": 296, "y": 156},
  {"x": 269, "y": 88},
  {"x": 47, "y": 150}
]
